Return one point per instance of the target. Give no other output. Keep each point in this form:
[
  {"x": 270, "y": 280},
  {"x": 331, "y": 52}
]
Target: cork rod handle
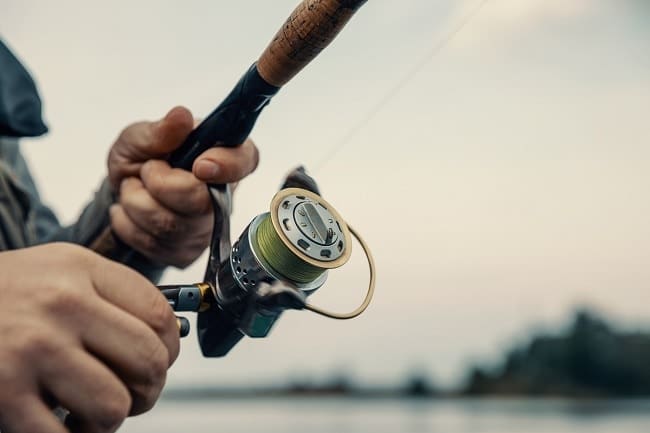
[{"x": 309, "y": 29}]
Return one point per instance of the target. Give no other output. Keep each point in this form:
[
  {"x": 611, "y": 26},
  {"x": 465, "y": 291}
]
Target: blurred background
[{"x": 493, "y": 153}]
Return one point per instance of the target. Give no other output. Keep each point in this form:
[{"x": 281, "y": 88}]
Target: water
[{"x": 349, "y": 415}]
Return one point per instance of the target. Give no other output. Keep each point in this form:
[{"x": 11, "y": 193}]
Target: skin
[
  {"x": 92, "y": 335},
  {"x": 165, "y": 213}
]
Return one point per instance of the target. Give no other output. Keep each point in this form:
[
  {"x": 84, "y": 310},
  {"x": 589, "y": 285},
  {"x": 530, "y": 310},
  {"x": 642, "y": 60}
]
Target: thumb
[{"x": 169, "y": 132}]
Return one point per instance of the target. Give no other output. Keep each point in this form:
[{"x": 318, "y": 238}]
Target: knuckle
[
  {"x": 66, "y": 299},
  {"x": 64, "y": 292},
  {"x": 37, "y": 344},
  {"x": 114, "y": 410}
]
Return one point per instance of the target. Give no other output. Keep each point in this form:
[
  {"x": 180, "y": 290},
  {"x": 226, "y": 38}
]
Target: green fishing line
[{"x": 281, "y": 259}]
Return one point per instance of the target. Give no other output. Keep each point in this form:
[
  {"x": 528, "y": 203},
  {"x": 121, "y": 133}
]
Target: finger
[
  {"x": 82, "y": 377},
  {"x": 171, "y": 131},
  {"x": 131, "y": 292},
  {"x": 128, "y": 231},
  {"x": 161, "y": 251},
  {"x": 27, "y": 413},
  {"x": 126, "y": 343},
  {"x": 176, "y": 189},
  {"x": 134, "y": 352},
  {"x": 226, "y": 164},
  {"x": 149, "y": 215},
  {"x": 145, "y": 140},
  {"x": 142, "y": 141}
]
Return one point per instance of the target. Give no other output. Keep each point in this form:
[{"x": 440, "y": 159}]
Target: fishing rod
[{"x": 284, "y": 255}]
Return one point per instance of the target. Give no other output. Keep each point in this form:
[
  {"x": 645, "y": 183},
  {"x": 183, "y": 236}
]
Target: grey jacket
[{"x": 24, "y": 219}]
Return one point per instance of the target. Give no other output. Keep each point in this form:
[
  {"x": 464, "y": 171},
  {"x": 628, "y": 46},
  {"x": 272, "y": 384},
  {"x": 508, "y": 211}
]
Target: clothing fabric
[
  {"x": 20, "y": 105},
  {"x": 24, "y": 219}
]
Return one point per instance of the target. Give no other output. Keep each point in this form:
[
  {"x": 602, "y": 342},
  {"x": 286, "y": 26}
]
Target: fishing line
[
  {"x": 394, "y": 91},
  {"x": 282, "y": 259}
]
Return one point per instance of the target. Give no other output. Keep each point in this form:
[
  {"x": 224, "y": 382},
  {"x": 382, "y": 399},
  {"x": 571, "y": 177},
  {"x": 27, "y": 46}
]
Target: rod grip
[
  {"x": 308, "y": 30},
  {"x": 230, "y": 123}
]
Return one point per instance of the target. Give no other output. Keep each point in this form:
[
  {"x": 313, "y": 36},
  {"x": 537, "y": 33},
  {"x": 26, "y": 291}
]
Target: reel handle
[
  {"x": 183, "y": 326},
  {"x": 218, "y": 330}
]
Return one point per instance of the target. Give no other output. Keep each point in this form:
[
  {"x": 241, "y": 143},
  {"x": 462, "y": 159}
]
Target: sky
[{"x": 501, "y": 186}]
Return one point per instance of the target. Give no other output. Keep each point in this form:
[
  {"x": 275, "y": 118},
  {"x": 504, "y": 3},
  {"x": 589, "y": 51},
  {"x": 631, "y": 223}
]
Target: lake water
[{"x": 349, "y": 415}]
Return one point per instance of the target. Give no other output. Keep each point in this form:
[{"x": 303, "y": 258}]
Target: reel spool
[{"x": 297, "y": 241}]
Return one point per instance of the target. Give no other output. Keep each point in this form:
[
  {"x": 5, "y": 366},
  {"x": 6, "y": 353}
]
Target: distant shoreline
[
  {"x": 219, "y": 393},
  {"x": 209, "y": 394},
  {"x": 590, "y": 360}
]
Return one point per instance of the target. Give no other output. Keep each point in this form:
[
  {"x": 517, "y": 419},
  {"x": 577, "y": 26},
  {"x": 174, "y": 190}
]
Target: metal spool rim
[{"x": 276, "y": 202}]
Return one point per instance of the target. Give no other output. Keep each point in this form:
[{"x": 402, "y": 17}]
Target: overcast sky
[{"x": 504, "y": 185}]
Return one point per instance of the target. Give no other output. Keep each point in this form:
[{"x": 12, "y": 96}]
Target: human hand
[
  {"x": 166, "y": 213},
  {"x": 79, "y": 331}
]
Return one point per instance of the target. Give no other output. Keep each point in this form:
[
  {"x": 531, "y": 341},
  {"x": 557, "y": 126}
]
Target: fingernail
[{"x": 206, "y": 169}]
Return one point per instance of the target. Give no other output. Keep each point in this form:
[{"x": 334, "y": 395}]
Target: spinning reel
[{"x": 282, "y": 257}]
